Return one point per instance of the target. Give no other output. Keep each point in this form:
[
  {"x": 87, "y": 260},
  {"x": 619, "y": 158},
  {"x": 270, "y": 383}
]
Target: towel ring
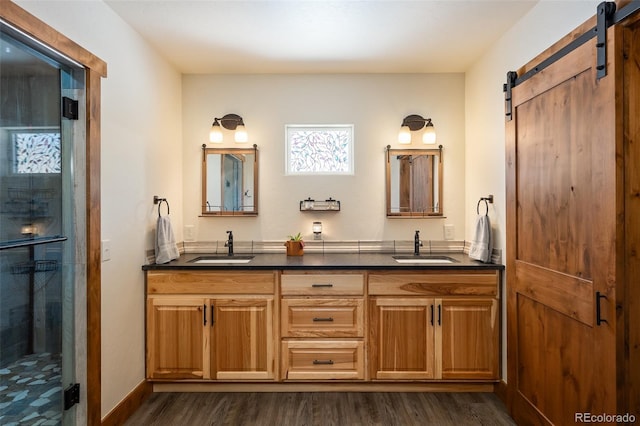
[
  {"x": 486, "y": 204},
  {"x": 160, "y": 205}
]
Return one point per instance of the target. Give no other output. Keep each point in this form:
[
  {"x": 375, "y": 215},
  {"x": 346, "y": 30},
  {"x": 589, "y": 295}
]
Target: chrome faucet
[
  {"x": 229, "y": 243},
  {"x": 417, "y": 244}
]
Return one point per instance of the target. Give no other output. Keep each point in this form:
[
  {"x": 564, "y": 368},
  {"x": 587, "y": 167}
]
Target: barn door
[{"x": 561, "y": 231}]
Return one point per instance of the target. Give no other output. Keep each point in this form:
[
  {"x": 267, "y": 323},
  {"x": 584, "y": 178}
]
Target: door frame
[{"x": 95, "y": 70}]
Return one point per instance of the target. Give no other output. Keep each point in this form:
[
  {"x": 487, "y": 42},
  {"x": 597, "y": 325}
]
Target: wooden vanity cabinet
[
  {"x": 322, "y": 326},
  {"x": 176, "y": 338},
  {"x": 402, "y": 343},
  {"x": 434, "y": 325},
  {"x": 210, "y": 325},
  {"x": 352, "y": 326},
  {"x": 469, "y": 330},
  {"x": 242, "y": 338}
]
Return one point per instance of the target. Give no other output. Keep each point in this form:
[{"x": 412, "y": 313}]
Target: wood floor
[{"x": 321, "y": 408}]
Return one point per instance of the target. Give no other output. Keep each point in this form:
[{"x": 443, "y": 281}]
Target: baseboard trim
[
  {"x": 500, "y": 390},
  {"x": 322, "y": 387},
  {"x": 121, "y": 412}
]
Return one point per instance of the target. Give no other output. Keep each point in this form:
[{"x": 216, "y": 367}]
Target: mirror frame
[
  {"x": 229, "y": 213},
  {"x": 411, "y": 214}
]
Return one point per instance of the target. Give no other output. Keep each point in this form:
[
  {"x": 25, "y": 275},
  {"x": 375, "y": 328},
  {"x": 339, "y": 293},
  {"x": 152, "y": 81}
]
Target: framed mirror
[
  {"x": 229, "y": 181},
  {"x": 414, "y": 182}
]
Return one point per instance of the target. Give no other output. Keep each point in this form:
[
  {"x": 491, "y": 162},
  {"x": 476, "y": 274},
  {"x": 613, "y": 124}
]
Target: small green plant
[{"x": 297, "y": 237}]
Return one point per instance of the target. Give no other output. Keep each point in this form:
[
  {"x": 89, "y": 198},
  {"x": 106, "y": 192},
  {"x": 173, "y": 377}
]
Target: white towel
[
  {"x": 481, "y": 245},
  {"x": 166, "y": 248}
]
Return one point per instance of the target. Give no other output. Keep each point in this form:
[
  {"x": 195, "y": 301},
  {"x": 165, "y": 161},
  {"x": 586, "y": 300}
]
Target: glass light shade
[
  {"x": 241, "y": 134},
  {"x": 429, "y": 135},
  {"x": 30, "y": 230},
  {"x": 404, "y": 137},
  {"x": 215, "y": 135},
  {"x": 317, "y": 227}
]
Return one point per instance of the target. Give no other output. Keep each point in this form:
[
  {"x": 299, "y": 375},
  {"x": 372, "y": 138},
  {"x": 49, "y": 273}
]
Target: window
[
  {"x": 36, "y": 151},
  {"x": 319, "y": 149}
]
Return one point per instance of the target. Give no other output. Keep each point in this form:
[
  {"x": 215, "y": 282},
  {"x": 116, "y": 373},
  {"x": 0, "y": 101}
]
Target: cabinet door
[
  {"x": 242, "y": 338},
  {"x": 402, "y": 338},
  {"x": 177, "y": 342},
  {"x": 469, "y": 336}
]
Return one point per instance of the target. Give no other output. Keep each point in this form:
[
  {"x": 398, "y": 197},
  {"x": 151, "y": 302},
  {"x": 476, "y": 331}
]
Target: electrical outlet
[
  {"x": 105, "y": 250},
  {"x": 449, "y": 232},
  {"x": 189, "y": 233}
]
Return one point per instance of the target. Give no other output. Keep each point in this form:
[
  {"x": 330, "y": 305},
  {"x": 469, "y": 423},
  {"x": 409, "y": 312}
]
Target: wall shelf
[{"x": 329, "y": 205}]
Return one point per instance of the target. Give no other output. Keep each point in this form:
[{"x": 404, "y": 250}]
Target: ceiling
[{"x": 315, "y": 36}]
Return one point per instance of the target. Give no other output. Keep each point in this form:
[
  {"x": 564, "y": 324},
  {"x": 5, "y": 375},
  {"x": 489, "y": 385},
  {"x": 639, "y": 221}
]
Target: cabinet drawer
[
  {"x": 323, "y": 360},
  {"x": 477, "y": 283},
  {"x": 208, "y": 282},
  {"x": 322, "y": 284},
  {"x": 322, "y": 318}
]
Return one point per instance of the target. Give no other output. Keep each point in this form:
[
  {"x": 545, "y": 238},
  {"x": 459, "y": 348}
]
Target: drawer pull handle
[
  {"x": 322, "y": 362},
  {"x": 321, "y": 285},
  {"x": 328, "y": 319}
]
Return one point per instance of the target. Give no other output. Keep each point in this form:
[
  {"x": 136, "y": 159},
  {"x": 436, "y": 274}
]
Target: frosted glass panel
[
  {"x": 319, "y": 149},
  {"x": 36, "y": 152}
]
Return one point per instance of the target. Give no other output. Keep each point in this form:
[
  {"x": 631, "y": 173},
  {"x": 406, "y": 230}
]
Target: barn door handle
[{"x": 599, "y": 319}]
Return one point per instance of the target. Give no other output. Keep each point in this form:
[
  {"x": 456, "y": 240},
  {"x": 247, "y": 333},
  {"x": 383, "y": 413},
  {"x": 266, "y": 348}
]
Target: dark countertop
[{"x": 319, "y": 261}]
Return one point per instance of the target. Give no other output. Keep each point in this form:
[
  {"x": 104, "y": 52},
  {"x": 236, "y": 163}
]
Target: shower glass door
[{"x": 40, "y": 263}]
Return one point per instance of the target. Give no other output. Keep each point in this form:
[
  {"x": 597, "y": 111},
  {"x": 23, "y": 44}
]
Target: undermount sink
[
  {"x": 221, "y": 259},
  {"x": 424, "y": 259}
]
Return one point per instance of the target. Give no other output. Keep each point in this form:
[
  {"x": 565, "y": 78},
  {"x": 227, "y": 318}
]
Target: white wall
[
  {"x": 141, "y": 157},
  {"x": 374, "y": 103},
  {"x": 545, "y": 24}
]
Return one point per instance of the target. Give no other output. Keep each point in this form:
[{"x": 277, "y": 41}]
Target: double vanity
[
  {"x": 361, "y": 316},
  {"x": 357, "y": 321}
]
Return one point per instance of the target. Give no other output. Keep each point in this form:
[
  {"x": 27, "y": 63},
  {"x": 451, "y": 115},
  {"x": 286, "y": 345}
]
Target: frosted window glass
[
  {"x": 37, "y": 152},
  {"x": 319, "y": 149}
]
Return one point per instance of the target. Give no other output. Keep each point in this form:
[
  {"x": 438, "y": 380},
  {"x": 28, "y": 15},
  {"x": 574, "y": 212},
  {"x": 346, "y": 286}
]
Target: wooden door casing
[{"x": 562, "y": 205}]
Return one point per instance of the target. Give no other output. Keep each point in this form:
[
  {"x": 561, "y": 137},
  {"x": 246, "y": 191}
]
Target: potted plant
[{"x": 295, "y": 245}]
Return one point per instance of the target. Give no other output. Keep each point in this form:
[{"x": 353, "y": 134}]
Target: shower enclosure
[{"x": 41, "y": 211}]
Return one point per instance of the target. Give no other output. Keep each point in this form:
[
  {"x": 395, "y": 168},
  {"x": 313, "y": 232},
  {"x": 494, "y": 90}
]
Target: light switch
[
  {"x": 105, "y": 250},
  {"x": 449, "y": 232}
]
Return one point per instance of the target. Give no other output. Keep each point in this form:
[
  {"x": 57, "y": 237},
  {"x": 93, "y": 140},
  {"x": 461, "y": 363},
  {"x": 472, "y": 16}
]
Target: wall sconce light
[
  {"x": 317, "y": 230},
  {"x": 415, "y": 122},
  {"x": 29, "y": 229},
  {"x": 229, "y": 122}
]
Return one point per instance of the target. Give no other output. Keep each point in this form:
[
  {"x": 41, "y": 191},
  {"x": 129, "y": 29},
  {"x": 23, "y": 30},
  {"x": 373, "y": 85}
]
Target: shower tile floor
[{"x": 31, "y": 392}]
